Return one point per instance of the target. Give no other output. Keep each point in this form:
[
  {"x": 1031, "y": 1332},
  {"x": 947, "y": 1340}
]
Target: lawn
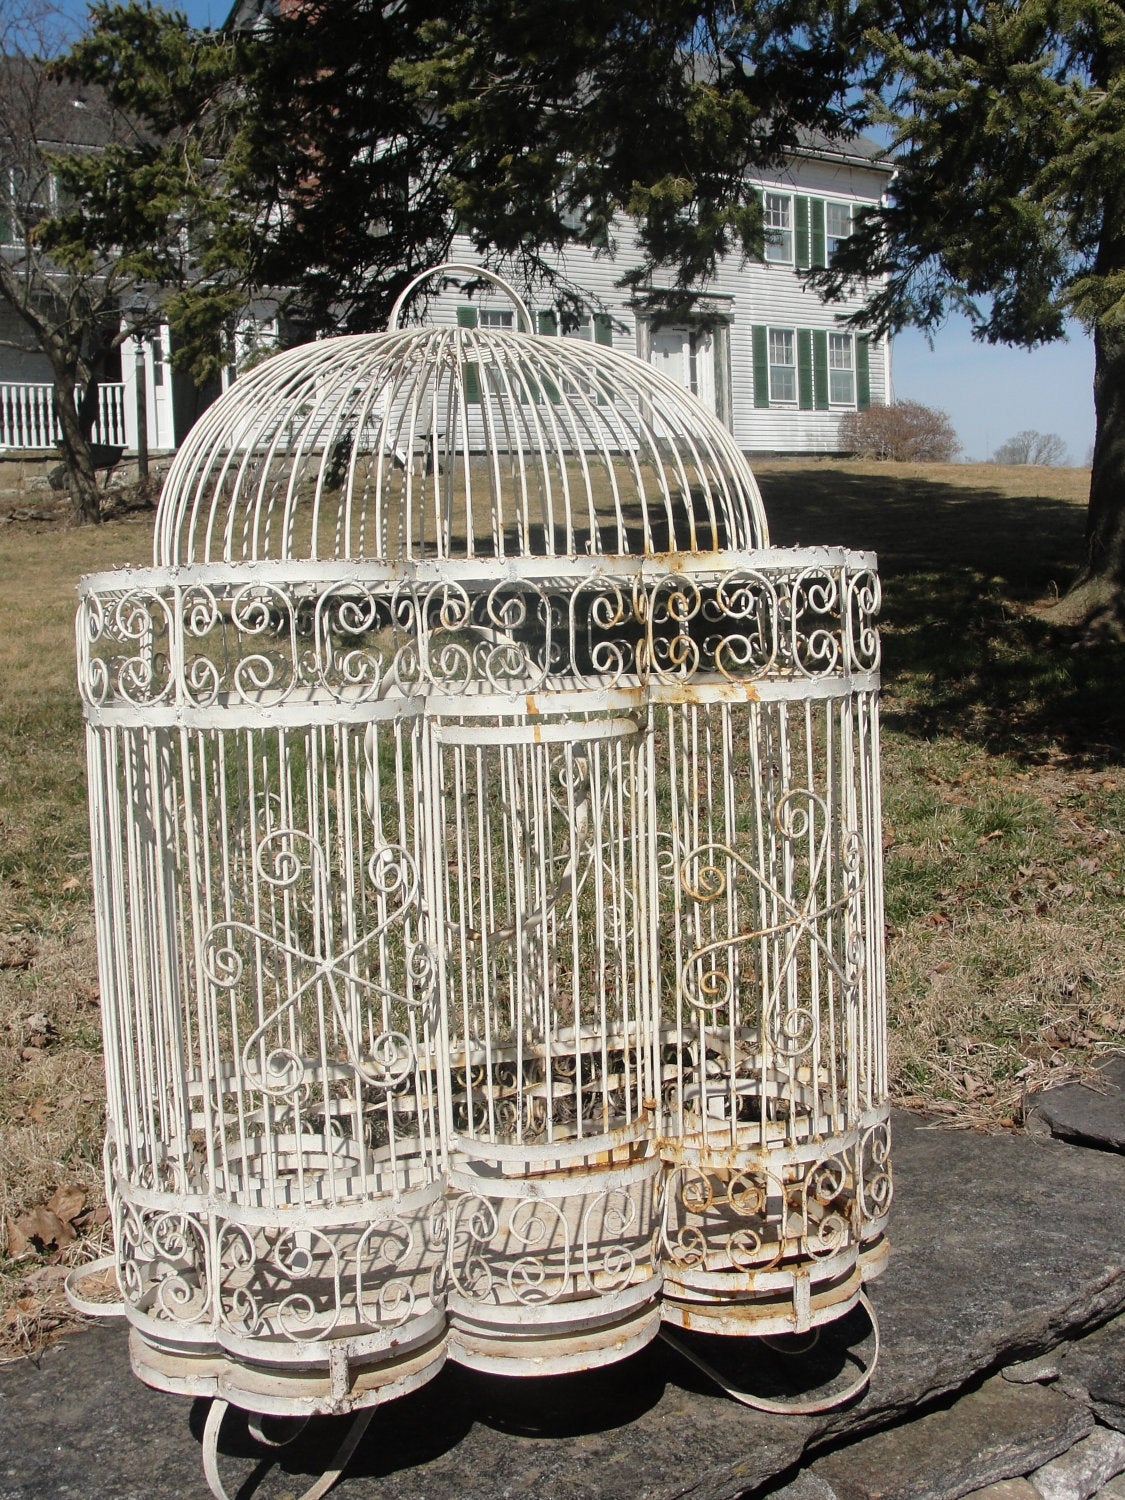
[
  {"x": 1005, "y": 810},
  {"x": 1004, "y": 743}
]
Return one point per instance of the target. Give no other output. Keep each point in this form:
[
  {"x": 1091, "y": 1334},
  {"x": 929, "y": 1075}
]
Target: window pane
[
  {"x": 779, "y": 226},
  {"x": 841, "y": 369},
  {"x": 837, "y": 225},
  {"x": 841, "y": 387},
  {"x": 494, "y": 317},
  {"x": 783, "y": 373},
  {"x": 783, "y": 383}
]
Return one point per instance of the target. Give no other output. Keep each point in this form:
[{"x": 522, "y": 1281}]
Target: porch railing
[{"x": 27, "y": 415}]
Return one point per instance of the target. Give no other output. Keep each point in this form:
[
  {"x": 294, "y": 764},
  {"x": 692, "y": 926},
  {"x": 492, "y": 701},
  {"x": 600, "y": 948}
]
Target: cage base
[
  {"x": 280, "y": 1391},
  {"x": 796, "y": 1310},
  {"x": 500, "y": 1352}
]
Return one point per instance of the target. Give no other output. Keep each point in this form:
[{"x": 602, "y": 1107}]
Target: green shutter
[
  {"x": 802, "y": 235},
  {"x": 818, "y": 232},
  {"x": 761, "y": 345},
  {"x": 804, "y": 369},
  {"x": 820, "y": 368},
  {"x": 548, "y": 321},
  {"x": 603, "y": 334},
  {"x": 863, "y": 372},
  {"x": 467, "y": 318}
]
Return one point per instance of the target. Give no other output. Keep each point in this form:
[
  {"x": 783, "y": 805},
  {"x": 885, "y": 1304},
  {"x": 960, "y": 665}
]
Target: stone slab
[
  {"x": 1002, "y": 1245},
  {"x": 999, "y": 1431},
  {"x": 1006, "y": 1489},
  {"x": 1084, "y": 1469},
  {"x": 1086, "y": 1116},
  {"x": 1097, "y": 1364},
  {"x": 809, "y": 1486}
]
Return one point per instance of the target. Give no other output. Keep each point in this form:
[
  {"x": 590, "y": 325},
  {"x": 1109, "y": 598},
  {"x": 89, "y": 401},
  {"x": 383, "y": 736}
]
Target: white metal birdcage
[{"x": 488, "y": 887}]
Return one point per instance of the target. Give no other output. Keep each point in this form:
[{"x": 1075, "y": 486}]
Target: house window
[
  {"x": 783, "y": 364},
  {"x": 779, "y": 226},
  {"x": 496, "y": 317},
  {"x": 841, "y": 370},
  {"x": 837, "y": 227}
]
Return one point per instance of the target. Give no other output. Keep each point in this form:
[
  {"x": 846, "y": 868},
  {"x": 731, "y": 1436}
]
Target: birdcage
[{"x": 485, "y": 829}]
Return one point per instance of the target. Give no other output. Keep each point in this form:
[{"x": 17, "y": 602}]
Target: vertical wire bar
[
  {"x": 837, "y": 934},
  {"x": 855, "y": 819},
  {"x": 824, "y": 878}
]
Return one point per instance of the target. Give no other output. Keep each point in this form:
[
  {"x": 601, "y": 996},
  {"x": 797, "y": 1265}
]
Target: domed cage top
[{"x": 486, "y": 839}]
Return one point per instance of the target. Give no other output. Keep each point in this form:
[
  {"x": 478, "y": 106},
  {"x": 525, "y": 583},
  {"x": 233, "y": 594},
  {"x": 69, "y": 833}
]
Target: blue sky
[{"x": 991, "y": 392}]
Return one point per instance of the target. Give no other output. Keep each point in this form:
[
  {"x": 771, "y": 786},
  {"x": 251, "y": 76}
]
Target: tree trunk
[
  {"x": 1096, "y": 600},
  {"x": 85, "y": 497}
]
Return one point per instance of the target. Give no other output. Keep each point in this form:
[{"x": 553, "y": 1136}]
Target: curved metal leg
[
  {"x": 254, "y": 1420},
  {"x": 785, "y": 1408},
  {"x": 84, "y": 1305},
  {"x": 340, "y": 1461}
]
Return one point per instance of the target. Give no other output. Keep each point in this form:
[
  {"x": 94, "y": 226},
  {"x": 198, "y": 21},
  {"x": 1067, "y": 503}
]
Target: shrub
[
  {"x": 1030, "y": 447},
  {"x": 905, "y": 431}
]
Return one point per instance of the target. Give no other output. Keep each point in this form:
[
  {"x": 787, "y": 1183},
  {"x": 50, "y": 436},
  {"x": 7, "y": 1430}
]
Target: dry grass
[
  {"x": 51, "y": 1086},
  {"x": 1005, "y": 814},
  {"x": 1004, "y": 782}
]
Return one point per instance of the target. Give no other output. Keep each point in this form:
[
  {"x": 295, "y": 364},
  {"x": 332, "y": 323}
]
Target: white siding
[{"x": 767, "y": 294}]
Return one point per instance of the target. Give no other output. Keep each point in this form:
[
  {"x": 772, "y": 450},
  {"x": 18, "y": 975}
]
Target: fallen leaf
[
  {"x": 18, "y": 1242},
  {"x": 45, "y": 1279},
  {"x": 71, "y": 883},
  {"x": 93, "y": 1218},
  {"x": 66, "y": 1203},
  {"x": 45, "y": 1229},
  {"x": 39, "y": 1110}
]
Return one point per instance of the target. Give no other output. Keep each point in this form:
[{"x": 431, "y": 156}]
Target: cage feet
[
  {"x": 291, "y": 1431},
  {"x": 91, "y": 1289},
  {"x": 797, "y": 1407}
]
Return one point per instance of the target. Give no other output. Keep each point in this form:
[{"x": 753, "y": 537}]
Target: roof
[
  {"x": 856, "y": 150},
  {"x": 54, "y": 111}
]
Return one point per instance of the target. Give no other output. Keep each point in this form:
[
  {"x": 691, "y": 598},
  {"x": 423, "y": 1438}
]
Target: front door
[{"x": 687, "y": 356}]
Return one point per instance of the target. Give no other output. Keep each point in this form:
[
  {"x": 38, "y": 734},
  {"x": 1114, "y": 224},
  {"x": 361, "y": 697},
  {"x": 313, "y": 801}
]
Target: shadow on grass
[{"x": 961, "y": 654}]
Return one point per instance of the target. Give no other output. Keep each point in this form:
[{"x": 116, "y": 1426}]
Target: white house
[{"x": 760, "y": 347}]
